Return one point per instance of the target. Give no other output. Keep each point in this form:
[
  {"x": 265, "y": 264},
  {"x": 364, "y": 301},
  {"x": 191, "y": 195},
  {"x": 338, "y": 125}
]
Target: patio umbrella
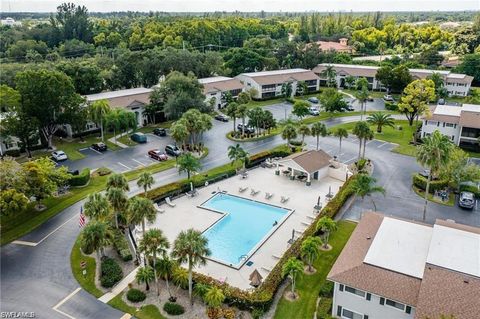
[{"x": 255, "y": 278}]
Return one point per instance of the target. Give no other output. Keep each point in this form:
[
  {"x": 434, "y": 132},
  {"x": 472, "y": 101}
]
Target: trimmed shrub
[
  {"x": 121, "y": 245},
  {"x": 421, "y": 182},
  {"x": 470, "y": 188},
  {"x": 173, "y": 309},
  {"x": 327, "y": 289},
  {"x": 81, "y": 179},
  {"x": 229, "y": 313},
  {"x": 135, "y": 295},
  {"x": 391, "y": 106},
  {"x": 324, "y": 309},
  {"x": 13, "y": 153},
  {"x": 111, "y": 273},
  {"x": 296, "y": 143},
  {"x": 102, "y": 171}
]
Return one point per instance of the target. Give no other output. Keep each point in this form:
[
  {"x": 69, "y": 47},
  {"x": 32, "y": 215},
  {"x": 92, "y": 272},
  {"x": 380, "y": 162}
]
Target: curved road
[{"x": 37, "y": 277}]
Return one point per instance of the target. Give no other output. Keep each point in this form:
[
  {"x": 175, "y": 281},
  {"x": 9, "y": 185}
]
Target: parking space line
[
  {"x": 96, "y": 151},
  {"x": 129, "y": 168},
  {"x": 24, "y": 243},
  {"x": 383, "y": 144},
  {"x": 329, "y": 151},
  {"x": 84, "y": 149},
  {"x": 65, "y": 300},
  {"x": 141, "y": 164},
  {"x": 350, "y": 160},
  {"x": 369, "y": 142}
]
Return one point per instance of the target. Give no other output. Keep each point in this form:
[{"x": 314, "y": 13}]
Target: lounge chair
[
  {"x": 158, "y": 208},
  {"x": 284, "y": 199},
  {"x": 276, "y": 257},
  {"x": 268, "y": 195},
  {"x": 267, "y": 269},
  {"x": 254, "y": 192},
  {"x": 169, "y": 202},
  {"x": 243, "y": 175},
  {"x": 306, "y": 223},
  {"x": 242, "y": 189},
  {"x": 311, "y": 217}
]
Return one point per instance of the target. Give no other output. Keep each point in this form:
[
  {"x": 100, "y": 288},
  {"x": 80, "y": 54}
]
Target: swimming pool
[{"x": 243, "y": 228}]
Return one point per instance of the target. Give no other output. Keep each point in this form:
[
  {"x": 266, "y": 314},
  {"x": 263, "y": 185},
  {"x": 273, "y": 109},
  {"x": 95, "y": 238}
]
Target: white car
[
  {"x": 59, "y": 156},
  {"x": 388, "y": 98},
  {"x": 313, "y": 111}
]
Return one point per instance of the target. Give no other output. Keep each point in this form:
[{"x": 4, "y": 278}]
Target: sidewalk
[{"x": 114, "y": 139}]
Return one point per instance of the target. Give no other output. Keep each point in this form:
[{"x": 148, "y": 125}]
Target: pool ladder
[{"x": 243, "y": 257}]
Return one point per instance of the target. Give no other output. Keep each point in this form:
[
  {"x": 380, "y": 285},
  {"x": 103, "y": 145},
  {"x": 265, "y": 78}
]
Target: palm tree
[
  {"x": 146, "y": 181},
  {"x": 242, "y": 113},
  {"x": 367, "y": 137},
  {"x": 292, "y": 268},
  {"x": 287, "y": 90},
  {"x": 231, "y": 111},
  {"x": 326, "y": 225},
  {"x": 310, "y": 251},
  {"x": 97, "y": 207},
  {"x": 237, "y": 154},
  {"x": 165, "y": 268},
  {"x": 341, "y": 133},
  {"x": 349, "y": 81},
  {"x": 364, "y": 185},
  {"x": 141, "y": 209},
  {"x": 319, "y": 129},
  {"x": 362, "y": 97},
  {"x": 145, "y": 275},
  {"x": 154, "y": 243},
  {"x": 179, "y": 132},
  {"x": 304, "y": 130},
  {"x": 329, "y": 73},
  {"x": 118, "y": 200},
  {"x": 191, "y": 247},
  {"x": 214, "y": 298},
  {"x": 433, "y": 154},
  {"x": 188, "y": 163},
  {"x": 361, "y": 130},
  {"x": 380, "y": 120},
  {"x": 97, "y": 111},
  {"x": 95, "y": 236},
  {"x": 289, "y": 132},
  {"x": 117, "y": 181}
]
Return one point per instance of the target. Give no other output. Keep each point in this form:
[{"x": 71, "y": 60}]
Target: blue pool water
[{"x": 245, "y": 225}]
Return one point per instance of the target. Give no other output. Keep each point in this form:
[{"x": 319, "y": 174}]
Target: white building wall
[
  {"x": 452, "y": 132},
  {"x": 456, "y": 88},
  {"x": 372, "y": 308},
  {"x": 249, "y": 83}
]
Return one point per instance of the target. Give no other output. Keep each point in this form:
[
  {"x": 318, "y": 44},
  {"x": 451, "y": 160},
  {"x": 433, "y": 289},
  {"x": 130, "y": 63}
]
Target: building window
[
  {"x": 394, "y": 304},
  {"x": 350, "y": 314},
  {"x": 355, "y": 291},
  {"x": 433, "y": 123}
]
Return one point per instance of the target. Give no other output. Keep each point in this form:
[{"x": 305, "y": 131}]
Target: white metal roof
[
  {"x": 274, "y": 72},
  {"x": 449, "y": 110},
  {"x": 213, "y": 79},
  {"x": 353, "y": 66},
  {"x": 455, "y": 249},
  {"x": 471, "y": 107},
  {"x": 119, "y": 93},
  {"x": 400, "y": 246}
]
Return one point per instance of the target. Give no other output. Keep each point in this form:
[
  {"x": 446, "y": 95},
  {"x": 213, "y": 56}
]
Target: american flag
[{"x": 82, "y": 220}]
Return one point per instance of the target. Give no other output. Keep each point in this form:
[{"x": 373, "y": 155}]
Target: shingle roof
[
  {"x": 281, "y": 76},
  {"x": 220, "y": 84},
  {"x": 310, "y": 161},
  {"x": 335, "y": 46}
]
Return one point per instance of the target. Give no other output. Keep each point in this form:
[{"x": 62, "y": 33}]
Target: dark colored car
[
  {"x": 246, "y": 129},
  {"x": 466, "y": 200},
  {"x": 173, "y": 150},
  {"x": 100, "y": 147},
  {"x": 139, "y": 137},
  {"x": 160, "y": 131},
  {"x": 313, "y": 100},
  {"x": 350, "y": 108},
  {"x": 221, "y": 117},
  {"x": 157, "y": 155}
]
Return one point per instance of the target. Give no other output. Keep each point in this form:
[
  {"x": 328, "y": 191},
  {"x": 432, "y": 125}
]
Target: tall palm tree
[
  {"x": 380, "y": 119},
  {"x": 97, "y": 111},
  {"x": 364, "y": 185},
  {"x": 242, "y": 113},
  {"x": 361, "y": 130},
  {"x": 118, "y": 200},
  {"x": 289, "y": 132},
  {"x": 154, "y": 243},
  {"x": 214, "y": 298},
  {"x": 292, "y": 268},
  {"x": 205, "y": 125},
  {"x": 287, "y": 90},
  {"x": 433, "y": 154},
  {"x": 326, "y": 225},
  {"x": 188, "y": 163},
  {"x": 341, "y": 133},
  {"x": 310, "y": 251},
  {"x": 117, "y": 181},
  {"x": 95, "y": 236},
  {"x": 145, "y": 275},
  {"x": 329, "y": 73},
  {"x": 179, "y": 132},
  {"x": 319, "y": 129},
  {"x": 231, "y": 111},
  {"x": 146, "y": 181},
  {"x": 237, "y": 155},
  {"x": 165, "y": 266},
  {"x": 191, "y": 247},
  {"x": 303, "y": 130},
  {"x": 140, "y": 210},
  {"x": 362, "y": 97},
  {"x": 97, "y": 207},
  {"x": 367, "y": 137}
]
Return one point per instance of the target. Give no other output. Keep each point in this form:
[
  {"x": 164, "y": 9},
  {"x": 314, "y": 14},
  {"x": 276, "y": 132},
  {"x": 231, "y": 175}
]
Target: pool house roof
[{"x": 309, "y": 161}]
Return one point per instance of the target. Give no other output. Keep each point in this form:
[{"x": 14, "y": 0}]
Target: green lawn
[
  {"x": 87, "y": 281},
  {"x": 308, "y": 286},
  {"x": 145, "y": 312},
  {"x": 430, "y": 197},
  {"x": 127, "y": 140}
]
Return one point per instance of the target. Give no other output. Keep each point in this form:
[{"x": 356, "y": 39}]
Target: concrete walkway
[
  {"x": 115, "y": 141},
  {"x": 347, "y": 94}
]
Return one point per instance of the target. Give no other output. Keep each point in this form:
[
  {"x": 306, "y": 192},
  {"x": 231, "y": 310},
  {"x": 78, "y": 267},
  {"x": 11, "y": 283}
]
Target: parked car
[
  {"x": 466, "y": 200},
  {"x": 221, "y": 117},
  {"x": 173, "y": 150},
  {"x": 160, "y": 131},
  {"x": 157, "y": 155},
  {"x": 313, "y": 111},
  {"x": 246, "y": 128},
  {"x": 100, "y": 147},
  {"x": 388, "y": 98},
  {"x": 59, "y": 156},
  {"x": 313, "y": 100},
  {"x": 139, "y": 137},
  {"x": 441, "y": 102},
  {"x": 349, "y": 108}
]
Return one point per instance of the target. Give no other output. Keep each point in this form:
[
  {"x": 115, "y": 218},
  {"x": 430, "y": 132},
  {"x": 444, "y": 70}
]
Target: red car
[{"x": 157, "y": 155}]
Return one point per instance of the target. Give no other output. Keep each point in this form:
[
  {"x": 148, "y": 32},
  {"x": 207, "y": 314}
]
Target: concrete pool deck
[{"x": 302, "y": 198}]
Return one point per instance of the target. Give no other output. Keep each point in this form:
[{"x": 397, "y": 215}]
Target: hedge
[
  {"x": 81, "y": 179},
  {"x": 470, "y": 188},
  {"x": 121, "y": 245},
  {"x": 421, "y": 182},
  {"x": 262, "y": 297},
  {"x": 173, "y": 309},
  {"x": 135, "y": 295},
  {"x": 110, "y": 272},
  {"x": 324, "y": 309},
  {"x": 391, "y": 106}
]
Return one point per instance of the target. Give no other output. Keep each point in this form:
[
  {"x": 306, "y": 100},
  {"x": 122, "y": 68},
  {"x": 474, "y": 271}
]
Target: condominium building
[
  {"x": 268, "y": 84},
  {"x": 216, "y": 88},
  {"x": 398, "y": 269},
  {"x": 460, "y": 123},
  {"x": 341, "y": 46},
  {"x": 456, "y": 84}
]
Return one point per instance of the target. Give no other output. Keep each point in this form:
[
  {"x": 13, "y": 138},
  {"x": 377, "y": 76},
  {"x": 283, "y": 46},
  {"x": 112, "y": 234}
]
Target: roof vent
[
  {"x": 466, "y": 280},
  {"x": 368, "y": 238}
]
